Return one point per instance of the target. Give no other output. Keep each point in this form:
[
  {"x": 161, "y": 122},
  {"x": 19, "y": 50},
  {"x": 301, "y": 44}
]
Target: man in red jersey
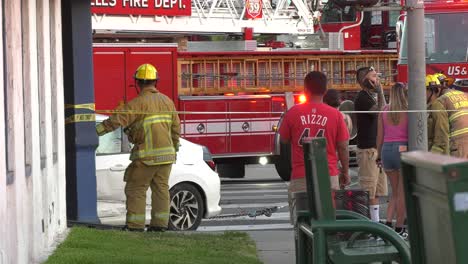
[{"x": 315, "y": 119}]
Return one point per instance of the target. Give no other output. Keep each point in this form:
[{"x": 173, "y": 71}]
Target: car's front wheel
[{"x": 186, "y": 207}]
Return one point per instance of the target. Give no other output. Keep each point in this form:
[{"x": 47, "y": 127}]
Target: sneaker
[
  {"x": 156, "y": 229},
  {"x": 126, "y": 228}
]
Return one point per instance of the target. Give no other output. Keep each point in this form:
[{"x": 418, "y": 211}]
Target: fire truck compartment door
[
  {"x": 249, "y": 131},
  {"x": 210, "y": 130},
  {"x": 109, "y": 78}
]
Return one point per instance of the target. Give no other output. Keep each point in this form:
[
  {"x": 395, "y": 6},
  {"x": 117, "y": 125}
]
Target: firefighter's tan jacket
[
  {"x": 151, "y": 124},
  {"x": 449, "y": 124}
]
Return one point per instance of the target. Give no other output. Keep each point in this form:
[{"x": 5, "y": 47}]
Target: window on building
[
  {"x": 9, "y": 135},
  {"x": 27, "y": 88},
  {"x": 53, "y": 77},
  {"x": 8, "y": 88},
  {"x": 43, "y": 58}
]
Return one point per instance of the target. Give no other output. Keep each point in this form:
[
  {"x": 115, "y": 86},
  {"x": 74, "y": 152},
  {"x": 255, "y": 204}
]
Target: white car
[{"x": 194, "y": 186}]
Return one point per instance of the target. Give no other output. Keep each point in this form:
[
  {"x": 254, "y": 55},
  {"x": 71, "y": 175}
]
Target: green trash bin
[{"x": 436, "y": 193}]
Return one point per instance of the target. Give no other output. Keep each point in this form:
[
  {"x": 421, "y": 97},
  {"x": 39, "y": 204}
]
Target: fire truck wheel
[
  {"x": 231, "y": 170},
  {"x": 283, "y": 163},
  {"x": 187, "y": 207}
]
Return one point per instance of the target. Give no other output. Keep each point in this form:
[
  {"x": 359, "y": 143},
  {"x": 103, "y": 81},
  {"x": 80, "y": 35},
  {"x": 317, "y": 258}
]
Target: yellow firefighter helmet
[
  {"x": 441, "y": 77},
  {"x": 431, "y": 80},
  {"x": 146, "y": 72}
]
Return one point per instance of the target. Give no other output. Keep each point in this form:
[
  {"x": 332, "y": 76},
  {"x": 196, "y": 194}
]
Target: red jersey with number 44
[{"x": 313, "y": 120}]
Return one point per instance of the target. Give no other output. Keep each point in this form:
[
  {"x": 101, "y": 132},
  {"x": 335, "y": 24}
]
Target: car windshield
[
  {"x": 110, "y": 143},
  {"x": 446, "y": 38}
]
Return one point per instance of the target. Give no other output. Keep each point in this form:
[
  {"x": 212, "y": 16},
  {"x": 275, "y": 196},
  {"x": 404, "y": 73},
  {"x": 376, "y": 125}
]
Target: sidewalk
[{"x": 274, "y": 246}]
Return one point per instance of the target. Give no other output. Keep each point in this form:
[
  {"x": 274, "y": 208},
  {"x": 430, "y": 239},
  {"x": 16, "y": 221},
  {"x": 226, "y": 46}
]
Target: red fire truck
[
  {"x": 446, "y": 34},
  {"x": 241, "y": 94}
]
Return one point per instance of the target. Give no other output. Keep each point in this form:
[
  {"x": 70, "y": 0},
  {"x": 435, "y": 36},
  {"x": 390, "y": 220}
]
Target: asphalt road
[{"x": 261, "y": 189}]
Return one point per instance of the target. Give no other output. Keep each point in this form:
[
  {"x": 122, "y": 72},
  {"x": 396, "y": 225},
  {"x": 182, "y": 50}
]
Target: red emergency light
[{"x": 301, "y": 99}]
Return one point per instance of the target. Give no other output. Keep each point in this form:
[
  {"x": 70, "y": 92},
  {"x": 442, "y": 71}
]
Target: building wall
[{"x": 32, "y": 161}]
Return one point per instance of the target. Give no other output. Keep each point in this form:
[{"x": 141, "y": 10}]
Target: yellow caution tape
[
  {"x": 80, "y": 118},
  {"x": 134, "y": 112},
  {"x": 90, "y": 106},
  {"x": 138, "y": 112}
]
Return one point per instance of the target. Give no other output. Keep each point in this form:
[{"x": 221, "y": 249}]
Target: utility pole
[{"x": 417, "y": 127}]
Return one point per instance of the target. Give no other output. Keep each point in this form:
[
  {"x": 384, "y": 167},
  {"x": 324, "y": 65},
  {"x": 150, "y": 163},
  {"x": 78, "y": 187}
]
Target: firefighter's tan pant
[
  {"x": 459, "y": 148},
  {"x": 138, "y": 178}
]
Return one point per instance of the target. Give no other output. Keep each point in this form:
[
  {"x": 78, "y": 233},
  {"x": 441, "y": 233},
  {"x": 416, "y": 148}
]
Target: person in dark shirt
[{"x": 370, "y": 177}]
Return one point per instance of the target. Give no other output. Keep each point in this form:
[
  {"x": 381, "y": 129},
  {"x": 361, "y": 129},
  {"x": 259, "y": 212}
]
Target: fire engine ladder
[
  {"x": 271, "y": 73},
  {"x": 217, "y": 16}
]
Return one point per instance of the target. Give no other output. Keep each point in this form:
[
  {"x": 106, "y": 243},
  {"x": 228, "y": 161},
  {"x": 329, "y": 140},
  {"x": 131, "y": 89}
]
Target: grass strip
[{"x": 86, "y": 245}]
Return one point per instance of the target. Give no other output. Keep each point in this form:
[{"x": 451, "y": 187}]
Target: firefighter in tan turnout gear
[
  {"x": 153, "y": 127},
  {"x": 448, "y": 126}
]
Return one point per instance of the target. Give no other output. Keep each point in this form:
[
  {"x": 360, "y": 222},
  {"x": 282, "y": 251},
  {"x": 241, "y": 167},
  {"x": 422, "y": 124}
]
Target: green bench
[{"x": 317, "y": 226}]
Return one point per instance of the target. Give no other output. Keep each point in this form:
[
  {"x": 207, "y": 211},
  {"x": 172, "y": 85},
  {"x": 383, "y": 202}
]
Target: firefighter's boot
[{"x": 126, "y": 228}]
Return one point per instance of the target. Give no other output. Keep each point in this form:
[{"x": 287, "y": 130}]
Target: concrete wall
[{"x": 32, "y": 161}]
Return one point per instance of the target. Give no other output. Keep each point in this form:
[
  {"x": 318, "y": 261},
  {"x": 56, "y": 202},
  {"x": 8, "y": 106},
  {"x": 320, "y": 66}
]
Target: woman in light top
[{"x": 392, "y": 139}]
